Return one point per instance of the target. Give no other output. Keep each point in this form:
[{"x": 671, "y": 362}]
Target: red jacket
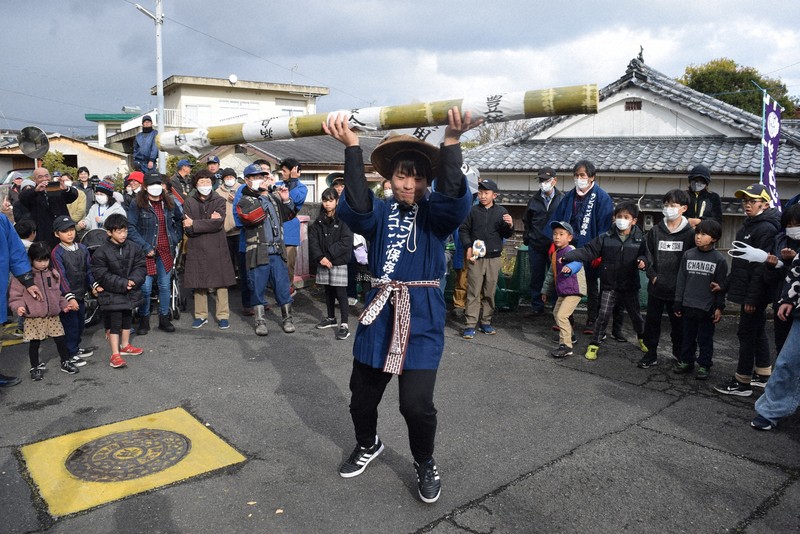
[{"x": 52, "y": 303}]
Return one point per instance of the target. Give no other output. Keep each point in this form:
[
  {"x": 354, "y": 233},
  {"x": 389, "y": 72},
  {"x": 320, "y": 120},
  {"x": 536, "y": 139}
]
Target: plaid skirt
[{"x": 335, "y": 276}]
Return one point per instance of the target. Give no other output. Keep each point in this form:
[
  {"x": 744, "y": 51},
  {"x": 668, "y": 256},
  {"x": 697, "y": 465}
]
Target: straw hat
[{"x": 393, "y": 144}]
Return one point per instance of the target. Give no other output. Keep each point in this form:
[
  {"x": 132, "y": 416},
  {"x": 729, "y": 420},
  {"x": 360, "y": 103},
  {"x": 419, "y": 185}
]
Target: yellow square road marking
[{"x": 151, "y": 451}]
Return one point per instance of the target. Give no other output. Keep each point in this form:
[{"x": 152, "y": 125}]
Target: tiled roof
[
  {"x": 723, "y": 155},
  {"x": 319, "y": 150},
  {"x": 634, "y": 154}
]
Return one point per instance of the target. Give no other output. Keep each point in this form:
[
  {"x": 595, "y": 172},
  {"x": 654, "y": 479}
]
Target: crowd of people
[{"x": 398, "y": 246}]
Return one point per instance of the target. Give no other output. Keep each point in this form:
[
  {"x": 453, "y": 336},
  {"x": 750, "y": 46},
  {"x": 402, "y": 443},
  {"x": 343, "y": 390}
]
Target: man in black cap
[
  {"x": 703, "y": 204},
  {"x": 540, "y": 210},
  {"x": 145, "y": 150}
]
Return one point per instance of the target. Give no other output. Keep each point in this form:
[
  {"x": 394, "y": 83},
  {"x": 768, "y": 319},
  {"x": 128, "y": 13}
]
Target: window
[
  {"x": 195, "y": 115},
  {"x": 231, "y": 111},
  {"x": 290, "y": 107},
  {"x": 633, "y": 105}
]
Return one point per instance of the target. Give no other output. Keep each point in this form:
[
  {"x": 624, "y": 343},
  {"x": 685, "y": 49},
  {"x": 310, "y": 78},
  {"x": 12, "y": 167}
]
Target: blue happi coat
[{"x": 398, "y": 252}]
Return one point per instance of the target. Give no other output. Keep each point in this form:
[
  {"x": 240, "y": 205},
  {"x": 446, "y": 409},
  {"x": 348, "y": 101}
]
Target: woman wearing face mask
[
  {"x": 104, "y": 205},
  {"x": 227, "y": 190},
  {"x": 155, "y": 224},
  {"x": 703, "y": 204},
  {"x": 208, "y": 264}
]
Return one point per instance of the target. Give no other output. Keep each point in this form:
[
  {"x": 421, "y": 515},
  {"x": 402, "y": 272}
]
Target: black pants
[
  {"x": 652, "y": 326},
  {"x": 698, "y": 332},
  {"x": 781, "y": 330},
  {"x": 332, "y": 294},
  {"x": 119, "y": 320},
  {"x": 33, "y": 350},
  {"x": 367, "y": 385},
  {"x": 753, "y": 341}
]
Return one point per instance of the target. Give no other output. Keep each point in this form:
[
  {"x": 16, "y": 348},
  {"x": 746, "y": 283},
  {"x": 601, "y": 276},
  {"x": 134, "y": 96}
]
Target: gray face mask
[{"x": 698, "y": 185}]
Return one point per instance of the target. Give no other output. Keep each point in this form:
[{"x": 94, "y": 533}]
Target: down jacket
[
  {"x": 746, "y": 282},
  {"x": 52, "y": 304},
  {"x": 112, "y": 266},
  {"x": 329, "y": 238},
  {"x": 619, "y": 270}
]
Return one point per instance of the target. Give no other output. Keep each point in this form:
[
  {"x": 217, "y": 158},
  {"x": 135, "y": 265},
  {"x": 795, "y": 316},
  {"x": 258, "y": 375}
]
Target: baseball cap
[
  {"x": 212, "y": 159},
  {"x": 754, "y": 191},
  {"x": 253, "y": 169},
  {"x": 184, "y": 163},
  {"x": 562, "y": 224},
  {"x": 546, "y": 173},
  {"x": 487, "y": 184},
  {"x": 63, "y": 222}
]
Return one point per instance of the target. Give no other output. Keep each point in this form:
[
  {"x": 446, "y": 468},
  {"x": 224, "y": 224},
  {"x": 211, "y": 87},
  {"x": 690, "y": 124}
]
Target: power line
[
  {"x": 3, "y": 89},
  {"x": 786, "y": 67}
]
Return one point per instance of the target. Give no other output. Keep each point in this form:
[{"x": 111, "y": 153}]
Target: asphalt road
[{"x": 526, "y": 443}]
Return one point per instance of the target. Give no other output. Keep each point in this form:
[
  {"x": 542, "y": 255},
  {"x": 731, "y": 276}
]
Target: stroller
[
  {"x": 177, "y": 300},
  {"x": 92, "y": 239}
]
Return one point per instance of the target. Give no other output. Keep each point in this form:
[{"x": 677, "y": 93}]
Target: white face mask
[
  {"x": 622, "y": 224},
  {"x": 256, "y": 184},
  {"x": 101, "y": 199},
  {"x": 129, "y": 190},
  {"x": 698, "y": 185},
  {"x": 67, "y": 183},
  {"x": 155, "y": 190},
  {"x": 671, "y": 213},
  {"x": 581, "y": 184},
  {"x": 547, "y": 186},
  {"x": 388, "y": 193},
  {"x": 204, "y": 189},
  {"x": 793, "y": 233},
  {"x": 230, "y": 182}
]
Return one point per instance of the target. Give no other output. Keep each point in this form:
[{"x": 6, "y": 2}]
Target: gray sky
[{"x": 65, "y": 58}]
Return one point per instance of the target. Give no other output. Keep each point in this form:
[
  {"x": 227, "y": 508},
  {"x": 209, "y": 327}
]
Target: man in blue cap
[
  {"x": 212, "y": 165},
  {"x": 180, "y": 181}
]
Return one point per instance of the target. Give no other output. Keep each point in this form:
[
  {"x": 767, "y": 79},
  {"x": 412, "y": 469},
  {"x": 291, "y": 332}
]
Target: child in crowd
[
  {"x": 664, "y": 247},
  {"x": 620, "y": 248},
  {"x": 41, "y": 316},
  {"x": 695, "y": 302},
  {"x": 491, "y": 224},
  {"x": 71, "y": 260},
  {"x": 787, "y": 245},
  {"x": 746, "y": 285},
  {"x": 120, "y": 269},
  {"x": 570, "y": 284},
  {"x": 330, "y": 245},
  {"x": 26, "y": 230}
]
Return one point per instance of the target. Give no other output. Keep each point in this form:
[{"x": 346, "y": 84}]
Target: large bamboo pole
[{"x": 501, "y": 107}]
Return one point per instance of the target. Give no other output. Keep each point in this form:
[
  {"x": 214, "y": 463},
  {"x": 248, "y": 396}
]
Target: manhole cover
[{"x": 127, "y": 455}]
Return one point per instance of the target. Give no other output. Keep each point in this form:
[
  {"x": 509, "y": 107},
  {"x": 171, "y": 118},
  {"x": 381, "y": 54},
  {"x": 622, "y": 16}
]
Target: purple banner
[{"x": 771, "y": 135}]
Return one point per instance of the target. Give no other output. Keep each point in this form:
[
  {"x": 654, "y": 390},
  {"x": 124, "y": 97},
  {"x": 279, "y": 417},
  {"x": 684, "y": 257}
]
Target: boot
[
  {"x": 261, "y": 321},
  {"x": 165, "y": 324},
  {"x": 286, "y": 313},
  {"x": 144, "y": 325}
]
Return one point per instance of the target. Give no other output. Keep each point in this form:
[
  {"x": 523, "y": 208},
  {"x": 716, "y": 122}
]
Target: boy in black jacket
[
  {"x": 489, "y": 223},
  {"x": 620, "y": 249},
  {"x": 664, "y": 247}
]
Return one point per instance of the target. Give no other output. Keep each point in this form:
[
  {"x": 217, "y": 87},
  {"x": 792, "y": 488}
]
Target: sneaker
[
  {"x": 647, "y": 361},
  {"x": 85, "y": 352},
  {"x": 359, "y": 459},
  {"x": 682, "y": 368},
  {"x": 555, "y": 328},
  {"x": 760, "y": 422},
  {"x": 734, "y": 387},
  {"x": 69, "y": 367},
  {"x": 487, "y": 329},
  {"x": 642, "y": 346},
  {"x": 589, "y": 328},
  {"x": 619, "y": 337},
  {"x": 36, "y": 374},
  {"x": 557, "y": 338},
  {"x": 468, "y": 333},
  {"x": 702, "y": 373},
  {"x": 562, "y": 352},
  {"x": 130, "y": 350},
  {"x": 77, "y": 361},
  {"x": 352, "y": 301},
  {"x": 18, "y": 333},
  {"x": 343, "y": 332},
  {"x": 224, "y": 324},
  {"x": 42, "y": 366},
  {"x": 292, "y": 291},
  {"x": 117, "y": 361},
  {"x": 330, "y": 322},
  {"x": 198, "y": 323},
  {"x": 8, "y": 381},
  {"x": 759, "y": 381},
  {"x": 591, "y": 352},
  {"x": 429, "y": 486}
]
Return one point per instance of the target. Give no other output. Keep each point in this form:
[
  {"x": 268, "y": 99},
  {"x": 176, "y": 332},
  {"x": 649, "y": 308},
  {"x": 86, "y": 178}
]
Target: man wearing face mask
[
  {"x": 145, "y": 149},
  {"x": 588, "y": 209},
  {"x": 703, "y": 204},
  {"x": 540, "y": 210}
]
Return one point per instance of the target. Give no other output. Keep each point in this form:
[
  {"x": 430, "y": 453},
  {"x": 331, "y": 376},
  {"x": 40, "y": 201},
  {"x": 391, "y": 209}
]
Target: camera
[{"x": 53, "y": 187}]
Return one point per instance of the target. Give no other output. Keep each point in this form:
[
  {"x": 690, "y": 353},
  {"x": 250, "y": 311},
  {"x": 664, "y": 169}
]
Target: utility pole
[{"x": 158, "y": 19}]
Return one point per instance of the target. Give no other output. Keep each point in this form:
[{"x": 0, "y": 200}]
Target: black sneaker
[
  {"x": 69, "y": 368},
  {"x": 330, "y": 322},
  {"x": 429, "y": 486},
  {"x": 85, "y": 352},
  {"x": 760, "y": 422},
  {"x": 359, "y": 459},
  {"x": 77, "y": 361},
  {"x": 36, "y": 374},
  {"x": 619, "y": 337},
  {"x": 734, "y": 387},
  {"x": 759, "y": 381},
  {"x": 343, "y": 332},
  {"x": 562, "y": 352},
  {"x": 647, "y": 361}
]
